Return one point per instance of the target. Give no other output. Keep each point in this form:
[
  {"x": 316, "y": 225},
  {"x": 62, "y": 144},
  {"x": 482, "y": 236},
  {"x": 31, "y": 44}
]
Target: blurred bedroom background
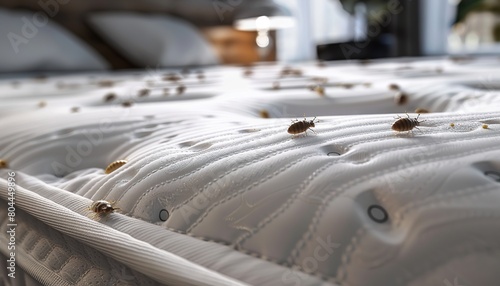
[{"x": 70, "y": 35}]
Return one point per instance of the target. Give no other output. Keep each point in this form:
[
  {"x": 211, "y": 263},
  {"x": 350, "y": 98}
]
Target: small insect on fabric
[
  {"x": 421, "y": 110},
  {"x": 298, "y": 127},
  {"x": 406, "y": 124},
  {"x": 400, "y": 98},
  {"x": 102, "y": 208},
  {"x": 115, "y": 165}
]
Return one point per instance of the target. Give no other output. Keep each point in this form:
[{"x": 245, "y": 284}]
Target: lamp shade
[{"x": 263, "y": 15}]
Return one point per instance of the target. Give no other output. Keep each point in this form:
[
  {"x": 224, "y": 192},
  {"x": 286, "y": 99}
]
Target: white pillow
[
  {"x": 152, "y": 40},
  {"x": 30, "y": 41}
]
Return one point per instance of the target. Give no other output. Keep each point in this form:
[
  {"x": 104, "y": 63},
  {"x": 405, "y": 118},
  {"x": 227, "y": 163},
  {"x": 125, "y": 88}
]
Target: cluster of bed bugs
[
  {"x": 102, "y": 208},
  {"x": 115, "y": 165},
  {"x": 299, "y": 127},
  {"x": 406, "y": 123}
]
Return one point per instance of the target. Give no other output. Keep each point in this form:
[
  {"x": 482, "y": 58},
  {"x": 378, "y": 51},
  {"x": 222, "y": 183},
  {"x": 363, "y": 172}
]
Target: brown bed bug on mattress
[
  {"x": 171, "y": 77},
  {"x": 394, "y": 86},
  {"x": 3, "y": 164},
  {"x": 143, "y": 92},
  {"x": 400, "y": 98},
  {"x": 298, "y": 127},
  {"x": 264, "y": 113},
  {"x": 421, "y": 110},
  {"x": 318, "y": 88},
  {"x": 406, "y": 124},
  {"x": 181, "y": 89},
  {"x": 115, "y": 165},
  {"x": 110, "y": 97},
  {"x": 102, "y": 208},
  {"x": 127, "y": 103}
]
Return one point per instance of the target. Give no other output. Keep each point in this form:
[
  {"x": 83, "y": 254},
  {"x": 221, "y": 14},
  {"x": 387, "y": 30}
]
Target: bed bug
[
  {"x": 75, "y": 109},
  {"x": 3, "y": 164},
  {"x": 485, "y": 126},
  {"x": 110, "y": 97},
  {"x": 394, "y": 86},
  {"x": 347, "y": 85},
  {"x": 127, "y": 103},
  {"x": 421, "y": 110},
  {"x": 318, "y": 88},
  {"x": 143, "y": 92},
  {"x": 42, "y": 104},
  {"x": 115, "y": 165},
  {"x": 171, "y": 77},
  {"x": 406, "y": 124},
  {"x": 248, "y": 72},
  {"x": 264, "y": 114},
  {"x": 298, "y": 127},
  {"x": 452, "y": 125},
  {"x": 181, "y": 89},
  {"x": 102, "y": 208},
  {"x": 400, "y": 98}
]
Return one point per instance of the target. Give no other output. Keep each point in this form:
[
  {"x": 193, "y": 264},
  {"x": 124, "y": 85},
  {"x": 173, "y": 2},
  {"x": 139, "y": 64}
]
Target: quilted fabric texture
[{"x": 214, "y": 193}]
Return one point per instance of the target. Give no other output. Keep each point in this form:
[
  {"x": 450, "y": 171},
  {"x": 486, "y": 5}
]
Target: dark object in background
[
  {"x": 353, "y": 51},
  {"x": 392, "y": 35}
]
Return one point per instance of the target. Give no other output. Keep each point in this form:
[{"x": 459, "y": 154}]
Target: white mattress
[{"x": 248, "y": 203}]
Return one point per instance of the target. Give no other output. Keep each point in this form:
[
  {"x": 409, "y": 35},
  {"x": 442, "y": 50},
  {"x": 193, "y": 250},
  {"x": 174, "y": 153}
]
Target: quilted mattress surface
[{"x": 215, "y": 191}]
